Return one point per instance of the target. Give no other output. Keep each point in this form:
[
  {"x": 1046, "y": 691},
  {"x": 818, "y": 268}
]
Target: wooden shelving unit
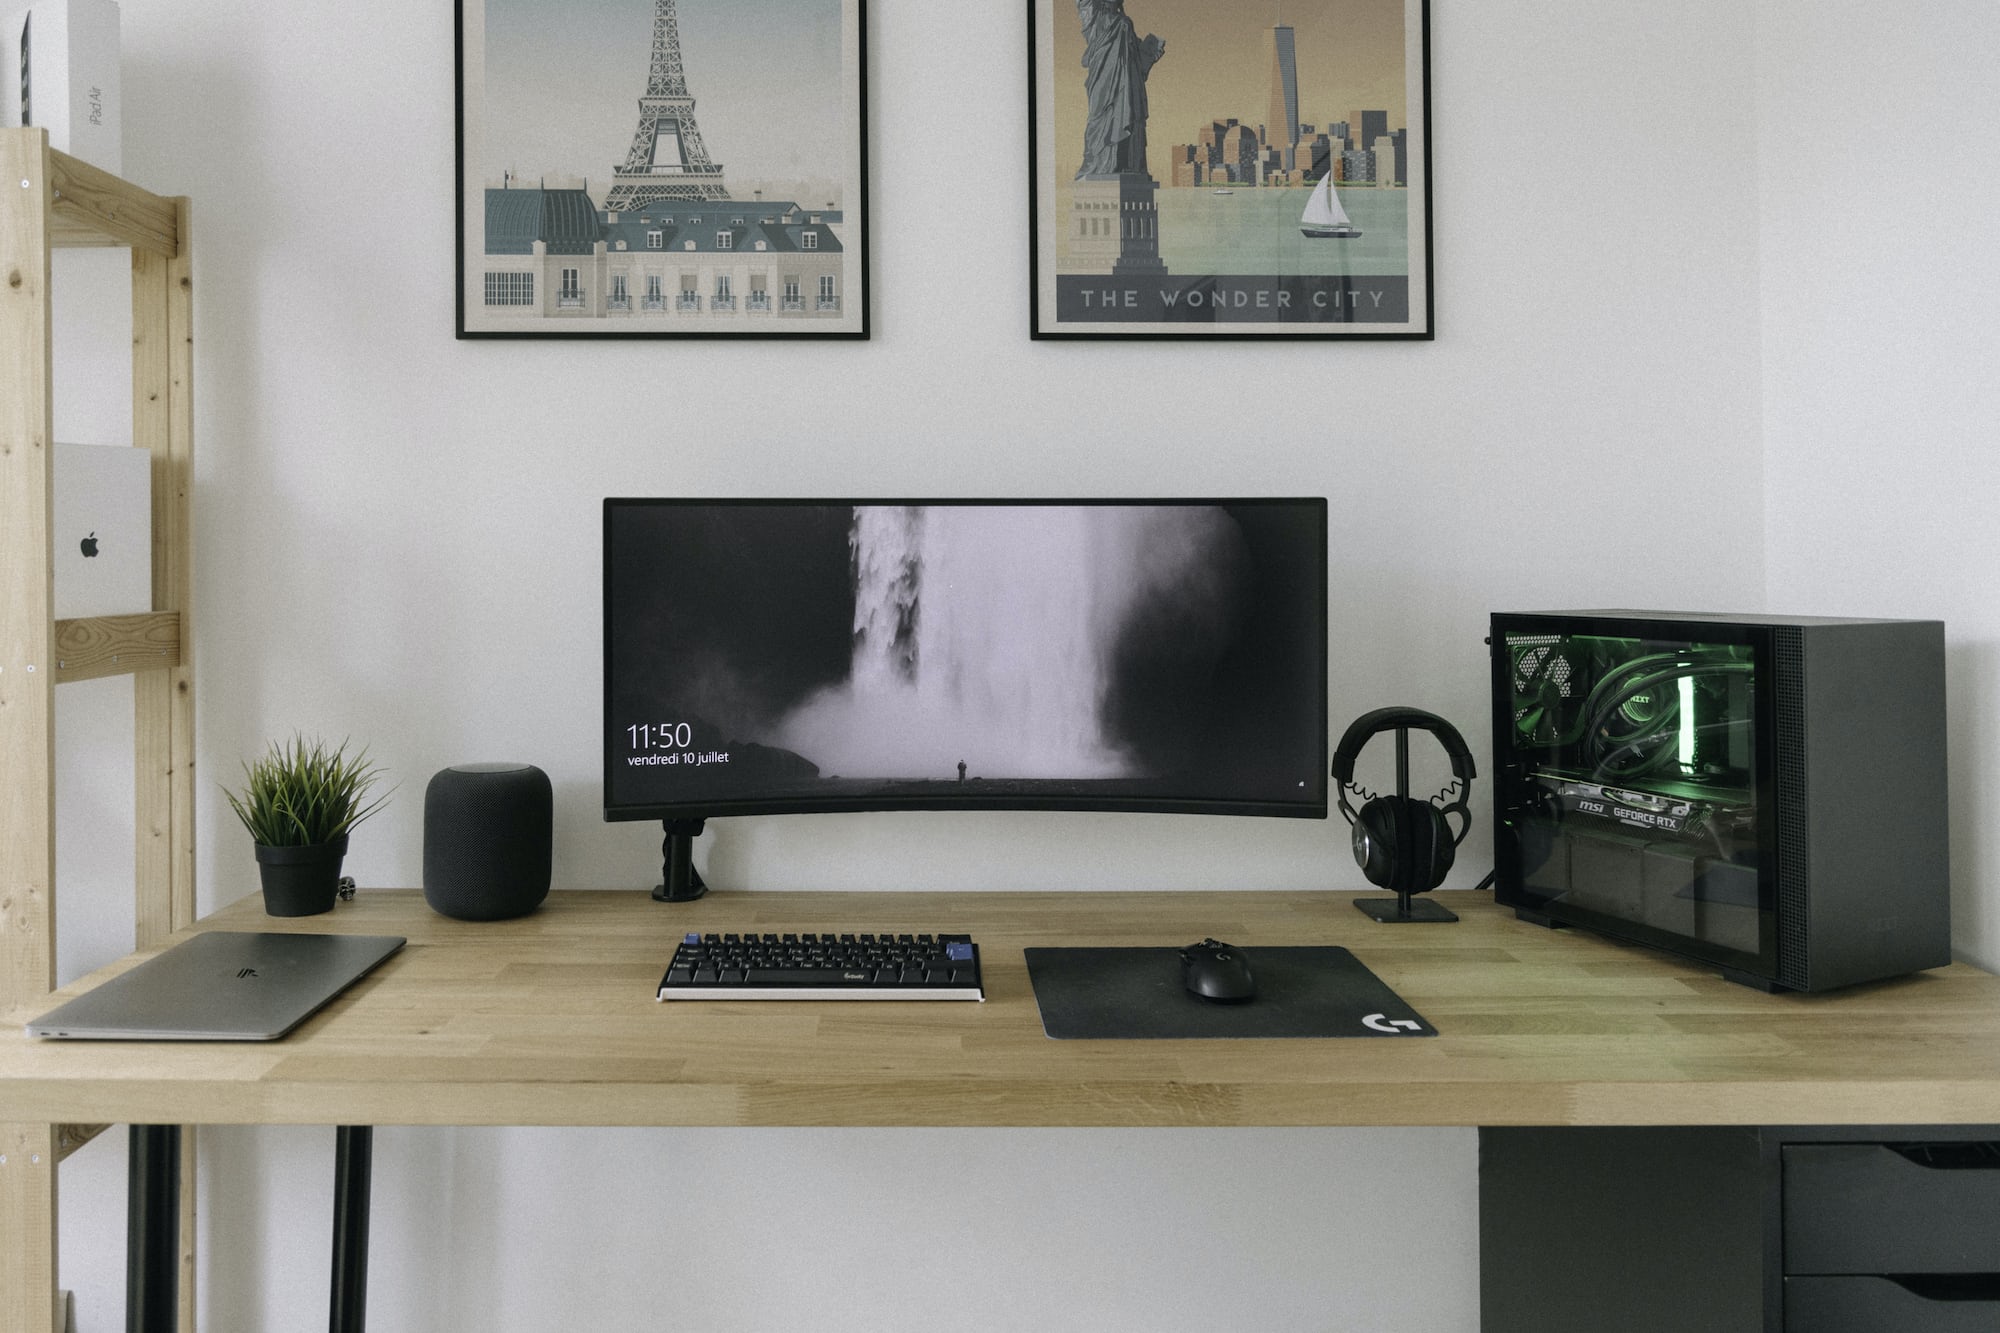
[{"x": 49, "y": 200}]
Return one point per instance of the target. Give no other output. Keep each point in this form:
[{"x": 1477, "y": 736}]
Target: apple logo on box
[{"x": 89, "y": 545}]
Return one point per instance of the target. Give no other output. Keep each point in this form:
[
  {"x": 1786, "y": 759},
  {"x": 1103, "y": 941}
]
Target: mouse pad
[{"x": 1319, "y": 991}]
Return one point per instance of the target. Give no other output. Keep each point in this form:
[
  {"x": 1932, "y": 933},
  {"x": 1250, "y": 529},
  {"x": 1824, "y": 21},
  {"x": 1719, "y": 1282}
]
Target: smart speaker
[{"x": 487, "y": 840}]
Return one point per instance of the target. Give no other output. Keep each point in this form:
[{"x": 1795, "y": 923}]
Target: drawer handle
[
  {"x": 1983, "y": 1156},
  {"x": 1949, "y": 1286}
]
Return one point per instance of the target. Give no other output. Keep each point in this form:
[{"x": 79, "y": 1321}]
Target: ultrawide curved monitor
[{"x": 779, "y": 656}]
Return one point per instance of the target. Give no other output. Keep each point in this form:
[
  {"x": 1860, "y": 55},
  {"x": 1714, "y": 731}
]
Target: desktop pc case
[{"x": 1767, "y": 796}]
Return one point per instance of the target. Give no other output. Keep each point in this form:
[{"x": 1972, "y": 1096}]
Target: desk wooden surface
[{"x": 551, "y": 1020}]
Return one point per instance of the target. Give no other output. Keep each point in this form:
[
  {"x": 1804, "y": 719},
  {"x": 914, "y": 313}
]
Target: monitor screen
[{"x": 770, "y": 657}]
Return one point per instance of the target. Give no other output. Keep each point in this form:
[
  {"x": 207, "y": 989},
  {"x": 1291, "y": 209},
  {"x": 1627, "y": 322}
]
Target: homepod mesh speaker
[{"x": 487, "y": 842}]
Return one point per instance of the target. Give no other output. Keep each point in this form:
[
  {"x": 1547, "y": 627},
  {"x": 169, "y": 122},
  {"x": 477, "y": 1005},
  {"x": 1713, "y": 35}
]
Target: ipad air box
[
  {"x": 59, "y": 71},
  {"x": 103, "y": 520}
]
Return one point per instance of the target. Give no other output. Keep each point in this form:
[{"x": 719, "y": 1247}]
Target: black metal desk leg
[
  {"x": 153, "y": 1229},
  {"x": 353, "y": 1158}
]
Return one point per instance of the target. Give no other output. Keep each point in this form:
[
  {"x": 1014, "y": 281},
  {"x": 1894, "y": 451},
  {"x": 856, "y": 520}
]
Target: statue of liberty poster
[
  {"x": 1204, "y": 169},
  {"x": 653, "y": 168}
]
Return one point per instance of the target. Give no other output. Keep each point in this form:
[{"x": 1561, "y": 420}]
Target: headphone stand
[{"x": 1405, "y": 906}]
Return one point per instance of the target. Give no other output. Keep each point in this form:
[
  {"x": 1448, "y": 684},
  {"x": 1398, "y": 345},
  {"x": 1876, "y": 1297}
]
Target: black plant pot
[{"x": 301, "y": 881}]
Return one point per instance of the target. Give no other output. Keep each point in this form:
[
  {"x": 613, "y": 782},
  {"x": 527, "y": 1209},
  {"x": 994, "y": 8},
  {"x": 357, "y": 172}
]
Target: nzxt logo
[{"x": 246, "y": 972}]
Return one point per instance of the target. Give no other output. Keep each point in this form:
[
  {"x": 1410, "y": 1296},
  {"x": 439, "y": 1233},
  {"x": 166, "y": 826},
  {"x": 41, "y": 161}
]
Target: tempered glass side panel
[{"x": 1634, "y": 765}]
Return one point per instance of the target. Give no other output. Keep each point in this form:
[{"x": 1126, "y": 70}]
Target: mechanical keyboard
[{"x": 717, "y": 966}]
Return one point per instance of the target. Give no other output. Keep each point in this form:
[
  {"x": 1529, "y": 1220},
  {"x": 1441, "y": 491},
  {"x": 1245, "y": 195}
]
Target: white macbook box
[
  {"x": 103, "y": 514},
  {"x": 60, "y": 72}
]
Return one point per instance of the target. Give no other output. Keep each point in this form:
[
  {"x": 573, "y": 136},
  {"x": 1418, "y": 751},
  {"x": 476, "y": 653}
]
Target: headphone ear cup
[
  {"x": 1377, "y": 840},
  {"x": 1431, "y": 846},
  {"x": 1403, "y": 844}
]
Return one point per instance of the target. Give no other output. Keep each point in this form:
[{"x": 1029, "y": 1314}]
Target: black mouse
[{"x": 1217, "y": 971}]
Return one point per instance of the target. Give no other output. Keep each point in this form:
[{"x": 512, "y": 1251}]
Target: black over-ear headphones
[{"x": 1403, "y": 843}]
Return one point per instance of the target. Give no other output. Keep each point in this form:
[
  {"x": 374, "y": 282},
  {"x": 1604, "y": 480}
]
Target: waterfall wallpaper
[{"x": 792, "y": 656}]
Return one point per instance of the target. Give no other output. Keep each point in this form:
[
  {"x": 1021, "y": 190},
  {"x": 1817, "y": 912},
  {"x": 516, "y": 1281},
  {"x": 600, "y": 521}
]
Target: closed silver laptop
[{"x": 221, "y": 985}]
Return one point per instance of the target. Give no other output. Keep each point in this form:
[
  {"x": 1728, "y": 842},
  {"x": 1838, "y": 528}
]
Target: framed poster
[
  {"x": 662, "y": 168},
  {"x": 1224, "y": 170}
]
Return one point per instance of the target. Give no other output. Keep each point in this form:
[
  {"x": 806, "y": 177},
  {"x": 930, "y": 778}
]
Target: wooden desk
[{"x": 551, "y": 1020}]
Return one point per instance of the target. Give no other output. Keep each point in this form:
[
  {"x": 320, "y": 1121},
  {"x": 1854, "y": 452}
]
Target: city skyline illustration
[{"x": 1350, "y": 56}]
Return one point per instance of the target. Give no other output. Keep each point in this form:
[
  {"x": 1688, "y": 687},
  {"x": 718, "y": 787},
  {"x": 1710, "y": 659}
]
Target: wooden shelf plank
[
  {"x": 27, "y": 596},
  {"x": 27, "y": 1227},
  {"x": 117, "y": 645},
  {"x": 163, "y": 701},
  {"x": 90, "y": 206}
]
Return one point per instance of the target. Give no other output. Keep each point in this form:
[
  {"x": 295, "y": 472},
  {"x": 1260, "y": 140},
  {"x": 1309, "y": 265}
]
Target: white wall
[
  {"x": 1880, "y": 279},
  {"x": 397, "y": 539}
]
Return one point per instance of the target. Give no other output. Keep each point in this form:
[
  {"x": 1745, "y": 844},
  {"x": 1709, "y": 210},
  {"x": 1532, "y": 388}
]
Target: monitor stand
[{"x": 680, "y": 882}]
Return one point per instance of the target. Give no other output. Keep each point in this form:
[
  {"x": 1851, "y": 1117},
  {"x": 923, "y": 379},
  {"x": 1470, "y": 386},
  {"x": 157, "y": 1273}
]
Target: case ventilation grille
[{"x": 1794, "y": 942}]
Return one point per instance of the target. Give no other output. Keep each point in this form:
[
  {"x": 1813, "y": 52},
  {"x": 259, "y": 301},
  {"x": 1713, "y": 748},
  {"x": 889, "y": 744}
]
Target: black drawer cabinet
[
  {"x": 1885, "y": 1229},
  {"x": 1922, "y": 1207}
]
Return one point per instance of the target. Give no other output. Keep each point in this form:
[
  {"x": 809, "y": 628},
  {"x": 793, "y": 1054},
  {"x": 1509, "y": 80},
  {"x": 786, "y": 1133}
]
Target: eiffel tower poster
[{"x": 661, "y": 168}]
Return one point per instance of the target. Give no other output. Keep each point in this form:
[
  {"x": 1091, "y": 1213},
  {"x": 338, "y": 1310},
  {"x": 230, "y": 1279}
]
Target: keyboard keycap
[{"x": 787, "y": 976}]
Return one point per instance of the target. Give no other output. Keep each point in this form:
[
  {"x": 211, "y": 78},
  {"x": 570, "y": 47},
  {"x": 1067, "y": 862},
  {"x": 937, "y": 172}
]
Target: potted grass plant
[{"x": 299, "y": 801}]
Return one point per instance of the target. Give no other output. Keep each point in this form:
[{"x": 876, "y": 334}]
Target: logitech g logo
[{"x": 1391, "y": 1025}]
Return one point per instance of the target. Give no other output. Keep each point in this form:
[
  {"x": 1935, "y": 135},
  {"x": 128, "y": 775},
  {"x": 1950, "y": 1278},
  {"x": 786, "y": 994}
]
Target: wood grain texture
[
  {"x": 27, "y": 585},
  {"x": 92, "y": 207},
  {"x": 69, "y": 1138},
  {"x": 550, "y": 1020},
  {"x": 27, "y": 1229},
  {"x": 99, "y": 646},
  {"x": 163, "y": 702},
  {"x": 27, "y": 709}
]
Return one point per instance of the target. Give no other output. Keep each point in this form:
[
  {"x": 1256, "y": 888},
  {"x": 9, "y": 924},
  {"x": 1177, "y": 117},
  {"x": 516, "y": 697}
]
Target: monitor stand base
[{"x": 680, "y": 882}]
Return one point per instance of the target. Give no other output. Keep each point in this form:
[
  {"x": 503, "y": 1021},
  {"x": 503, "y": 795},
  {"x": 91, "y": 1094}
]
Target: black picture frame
[
  {"x": 1163, "y": 205},
  {"x": 570, "y": 227}
]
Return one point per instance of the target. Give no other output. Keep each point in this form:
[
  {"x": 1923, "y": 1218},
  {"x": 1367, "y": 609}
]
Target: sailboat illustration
[{"x": 1324, "y": 218}]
